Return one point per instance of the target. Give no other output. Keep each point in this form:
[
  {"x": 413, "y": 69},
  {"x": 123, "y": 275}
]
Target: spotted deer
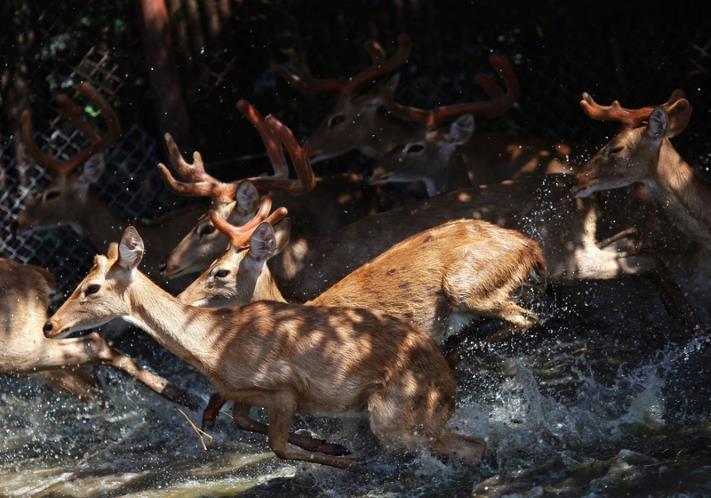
[
  {"x": 643, "y": 153},
  {"x": 323, "y": 204},
  {"x": 438, "y": 280},
  {"x": 436, "y": 147},
  {"x": 25, "y": 350},
  {"x": 287, "y": 358},
  {"x": 458, "y": 270},
  {"x": 70, "y": 201}
]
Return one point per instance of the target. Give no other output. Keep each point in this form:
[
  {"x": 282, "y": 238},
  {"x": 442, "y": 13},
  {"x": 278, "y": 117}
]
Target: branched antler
[
  {"x": 499, "y": 100},
  {"x": 239, "y": 236},
  {"x": 275, "y": 136},
  {"x": 69, "y": 109},
  {"x": 302, "y": 79},
  {"x": 615, "y": 111}
]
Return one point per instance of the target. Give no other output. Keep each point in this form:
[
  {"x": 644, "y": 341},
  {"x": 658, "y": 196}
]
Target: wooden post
[{"x": 157, "y": 46}]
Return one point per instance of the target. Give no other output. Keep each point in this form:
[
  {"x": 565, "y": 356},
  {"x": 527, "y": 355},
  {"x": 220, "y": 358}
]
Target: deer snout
[
  {"x": 52, "y": 330},
  {"x": 47, "y": 329}
]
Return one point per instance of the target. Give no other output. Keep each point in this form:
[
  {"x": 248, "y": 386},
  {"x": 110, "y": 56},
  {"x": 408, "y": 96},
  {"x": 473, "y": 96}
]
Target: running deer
[
  {"x": 69, "y": 200},
  {"x": 287, "y": 358},
  {"x": 437, "y": 280},
  {"x": 23, "y": 348},
  {"x": 436, "y": 147},
  {"x": 643, "y": 153},
  {"x": 322, "y": 204}
]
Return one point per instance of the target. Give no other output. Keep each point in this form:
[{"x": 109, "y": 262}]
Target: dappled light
[{"x": 348, "y": 249}]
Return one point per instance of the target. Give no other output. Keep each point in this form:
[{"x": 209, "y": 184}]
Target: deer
[
  {"x": 642, "y": 153},
  {"x": 323, "y": 204},
  {"x": 25, "y": 350},
  {"x": 436, "y": 147},
  {"x": 287, "y": 358},
  {"x": 69, "y": 199},
  {"x": 458, "y": 269},
  {"x": 437, "y": 280}
]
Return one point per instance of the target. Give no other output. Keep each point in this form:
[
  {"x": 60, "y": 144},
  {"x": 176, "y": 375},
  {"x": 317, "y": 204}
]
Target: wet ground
[{"x": 609, "y": 397}]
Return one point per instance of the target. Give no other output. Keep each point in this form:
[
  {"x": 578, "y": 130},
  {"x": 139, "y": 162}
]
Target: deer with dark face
[
  {"x": 643, "y": 153},
  {"x": 436, "y": 148},
  {"x": 287, "y": 358},
  {"x": 70, "y": 201},
  {"x": 25, "y": 350}
]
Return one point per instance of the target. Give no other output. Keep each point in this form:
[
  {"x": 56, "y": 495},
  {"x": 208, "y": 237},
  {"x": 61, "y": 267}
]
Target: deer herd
[{"x": 350, "y": 302}]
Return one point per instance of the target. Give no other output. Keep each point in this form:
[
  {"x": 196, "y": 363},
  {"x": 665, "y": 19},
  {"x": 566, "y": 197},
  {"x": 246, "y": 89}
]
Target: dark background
[{"x": 637, "y": 52}]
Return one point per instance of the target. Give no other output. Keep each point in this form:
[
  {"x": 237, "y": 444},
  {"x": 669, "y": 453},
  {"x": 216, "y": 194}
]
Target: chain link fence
[{"x": 558, "y": 51}]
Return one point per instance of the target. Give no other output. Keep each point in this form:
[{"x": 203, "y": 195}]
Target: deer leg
[
  {"x": 281, "y": 410},
  {"x": 209, "y": 415},
  {"x": 674, "y": 300},
  {"x": 75, "y": 381},
  {"x": 94, "y": 349}
]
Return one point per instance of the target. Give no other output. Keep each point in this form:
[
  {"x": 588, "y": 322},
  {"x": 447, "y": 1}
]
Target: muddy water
[{"x": 610, "y": 397}]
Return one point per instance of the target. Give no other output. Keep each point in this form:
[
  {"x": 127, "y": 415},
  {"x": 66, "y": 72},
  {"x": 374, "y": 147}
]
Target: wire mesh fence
[{"x": 557, "y": 50}]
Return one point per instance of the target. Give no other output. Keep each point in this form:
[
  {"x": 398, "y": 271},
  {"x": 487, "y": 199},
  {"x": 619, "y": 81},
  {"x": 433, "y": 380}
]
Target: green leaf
[{"x": 92, "y": 111}]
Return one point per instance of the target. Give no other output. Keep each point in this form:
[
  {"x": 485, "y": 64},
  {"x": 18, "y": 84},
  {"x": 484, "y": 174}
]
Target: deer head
[
  {"x": 237, "y": 201},
  {"x": 633, "y": 154},
  {"x": 240, "y": 275},
  {"x": 101, "y": 296},
  {"x": 429, "y": 154},
  {"x": 67, "y": 198},
  {"x": 429, "y": 160},
  {"x": 350, "y": 125}
]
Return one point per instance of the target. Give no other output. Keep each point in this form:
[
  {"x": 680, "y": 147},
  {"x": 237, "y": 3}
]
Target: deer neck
[
  {"x": 266, "y": 289},
  {"x": 99, "y": 222},
  {"x": 390, "y": 133},
  {"x": 191, "y": 333},
  {"x": 682, "y": 195}
]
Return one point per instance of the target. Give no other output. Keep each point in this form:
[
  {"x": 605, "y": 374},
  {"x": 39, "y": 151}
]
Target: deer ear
[
  {"x": 262, "y": 244},
  {"x": 130, "y": 250},
  {"x": 112, "y": 252},
  {"x": 91, "y": 172},
  {"x": 679, "y": 115},
  {"x": 461, "y": 130},
  {"x": 390, "y": 86},
  {"x": 282, "y": 232},
  {"x": 247, "y": 197},
  {"x": 658, "y": 124}
]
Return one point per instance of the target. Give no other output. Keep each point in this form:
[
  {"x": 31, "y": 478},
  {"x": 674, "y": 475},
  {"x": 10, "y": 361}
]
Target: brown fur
[
  {"x": 335, "y": 202},
  {"x": 638, "y": 158},
  {"x": 542, "y": 207},
  {"x": 24, "y": 349},
  {"x": 288, "y": 358},
  {"x": 465, "y": 266}
]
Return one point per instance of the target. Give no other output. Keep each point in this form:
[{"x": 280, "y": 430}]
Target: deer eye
[
  {"x": 206, "y": 230},
  {"x": 336, "y": 120},
  {"x": 92, "y": 289},
  {"x": 615, "y": 150},
  {"x": 50, "y": 194},
  {"x": 414, "y": 149},
  {"x": 222, "y": 273}
]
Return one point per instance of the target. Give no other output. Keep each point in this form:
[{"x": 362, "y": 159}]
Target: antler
[
  {"x": 275, "y": 136},
  {"x": 304, "y": 81},
  {"x": 615, "y": 111},
  {"x": 239, "y": 236},
  {"x": 274, "y": 150},
  {"x": 69, "y": 109},
  {"x": 500, "y": 100}
]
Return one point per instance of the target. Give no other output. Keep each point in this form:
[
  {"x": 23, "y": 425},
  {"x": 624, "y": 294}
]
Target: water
[{"x": 596, "y": 402}]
